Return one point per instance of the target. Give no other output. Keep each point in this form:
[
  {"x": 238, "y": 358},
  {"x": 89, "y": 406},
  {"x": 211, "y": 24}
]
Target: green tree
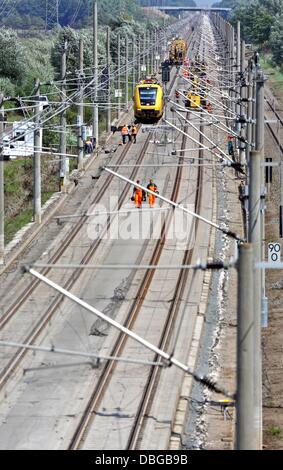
[
  {"x": 276, "y": 41},
  {"x": 12, "y": 57},
  {"x": 7, "y": 87},
  {"x": 73, "y": 40}
]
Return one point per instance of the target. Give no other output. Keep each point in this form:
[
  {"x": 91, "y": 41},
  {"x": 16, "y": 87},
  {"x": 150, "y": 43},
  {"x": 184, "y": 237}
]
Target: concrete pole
[
  {"x": 143, "y": 54},
  {"x": 259, "y": 145},
  {"x": 153, "y": 53},
  {"x": 259, "y": 136},
  {"x": 238, "y": 69},
  {"x": 95, "y": 128},
  {"x": 127, "y": 73},
  {"x": 139, "y": 58},
  {"x": 148, "y": 46},
  {"x": 108, "y": 112},
  {"x": 134, "y": 65},
  {"x": 242, "y": 146},
  {"x": 80, "y": 119},
  {"x": 259, "y": 141},
  {"x": 233, "y": 69},
  {"x": 63, "y": 120},
  {"x": 255, "y": 239},
  {"x": 2, "y": 207},
  {"x": 119, "y": 74},
  {"x": 250, "y": 110},
  {"x": 245, "y": 351},
  {"x": 37, "y": 159}
]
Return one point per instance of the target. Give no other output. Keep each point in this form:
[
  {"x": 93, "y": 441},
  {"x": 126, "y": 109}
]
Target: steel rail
[
  {"x": 11, "y": 366},
  {"x": 270, "y": 128},
  {"x": 97, "y": 395},
  {"x": 52, "y": 308},
  {"x": 154, "y": 376},
  {"x": 57, "y": 255},
  {"x": 105, "y": 376}
]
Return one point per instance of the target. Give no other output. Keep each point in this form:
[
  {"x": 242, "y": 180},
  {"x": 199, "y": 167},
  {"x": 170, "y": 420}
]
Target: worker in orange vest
[
  {"x": 151, "y": 198},
  {"x": 125, "y": 134},
  {"x": 138, "y": 196},
  {"x": 134, "y": 134}
]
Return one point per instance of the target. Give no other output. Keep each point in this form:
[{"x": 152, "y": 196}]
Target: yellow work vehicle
[
  {"x": 178, "y": 51},
  {"x": 193, "y": 101},
  {"x": 148, "y": 101}
]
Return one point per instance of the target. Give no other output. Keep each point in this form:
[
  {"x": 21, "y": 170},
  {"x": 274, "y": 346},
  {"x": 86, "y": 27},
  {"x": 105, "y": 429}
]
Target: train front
[{"x": 148, "y": 102}]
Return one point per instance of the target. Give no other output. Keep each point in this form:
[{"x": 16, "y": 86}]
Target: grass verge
[
  {"x": 18, "y": 193},
  {"x": 275, "y": 76}
]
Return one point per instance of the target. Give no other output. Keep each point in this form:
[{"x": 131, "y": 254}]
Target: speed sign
[{"x": 274, "y": 252}]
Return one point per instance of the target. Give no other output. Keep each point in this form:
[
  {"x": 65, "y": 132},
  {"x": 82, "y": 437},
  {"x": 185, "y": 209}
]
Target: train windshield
[{"x": 148, "y": 96}]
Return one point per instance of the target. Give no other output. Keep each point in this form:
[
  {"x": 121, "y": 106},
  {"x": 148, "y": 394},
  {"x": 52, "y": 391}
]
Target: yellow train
[
  {"x": 148, "y": 101},
  {"x": 178, "y": 51}
]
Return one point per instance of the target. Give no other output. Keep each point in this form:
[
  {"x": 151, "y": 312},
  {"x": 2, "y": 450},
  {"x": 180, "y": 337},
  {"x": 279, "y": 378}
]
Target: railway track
[
  {"x": 182, "y": 281},
  {"x": 50, "y": 311},
  {"x": 109, "y": 368},
  {"x": 44, "y": 320},
  {"x": 95, "y": 400},
  {"x": 152, "y": 383},
  {"x": 150, "y": 387},
  {"x": 275, "y": 113}
]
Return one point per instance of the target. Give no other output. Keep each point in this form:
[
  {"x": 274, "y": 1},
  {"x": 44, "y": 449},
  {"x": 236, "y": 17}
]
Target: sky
[{"x": 204, "y": 3}]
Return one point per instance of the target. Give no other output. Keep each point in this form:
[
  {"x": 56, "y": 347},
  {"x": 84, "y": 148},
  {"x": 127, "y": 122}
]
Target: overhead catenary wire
[
  {"x": 67, "y": 352},
  {"x": 171, "y": 360},
  {"x": 87, "y": 90},
  {"x": 176, "y": 205}
]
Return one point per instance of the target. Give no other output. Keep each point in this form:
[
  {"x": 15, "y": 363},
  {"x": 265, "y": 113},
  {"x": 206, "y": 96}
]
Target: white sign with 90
[{"x": 274, "y": 252}]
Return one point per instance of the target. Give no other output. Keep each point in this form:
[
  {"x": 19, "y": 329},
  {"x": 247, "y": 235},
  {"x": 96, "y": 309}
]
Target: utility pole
[
  {"x": 127, "y": 73},
  {"x": 80, "y": 118},
  {"x": 148, "y": 46},
  {"x": 255, "y": 239},
  {"x": 108, "y": 85},
  {"x": 119, "y": 75},
  {"x": 242, "y": 145},
  {"x": 250, "y": 124},
  {"x": 143, "y": 54},
  {"x": 232, "y": 69},
  {"x": 259, "y": 145},
  {"x": 238, "y": 70},
  {"x": 245, "y": 434},
  {"x": 134, "y": 64},
  {"x": 95, "y": 129},
  {"x": 152, "y": 45},
  {"x": 139, "y": 57},
  {"x": 37, "y": 158},
  {"x": 2, "y": 194},
  {"x": 63, "y": 119}
]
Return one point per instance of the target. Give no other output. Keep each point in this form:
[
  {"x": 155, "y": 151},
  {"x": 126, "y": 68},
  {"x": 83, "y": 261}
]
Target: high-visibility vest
[
  {"x": 134, "y": 130},
  {"x": 125, "y": 131},
  {"x": 152, "y": 187},
  {"x": 138, "y": 192}
]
